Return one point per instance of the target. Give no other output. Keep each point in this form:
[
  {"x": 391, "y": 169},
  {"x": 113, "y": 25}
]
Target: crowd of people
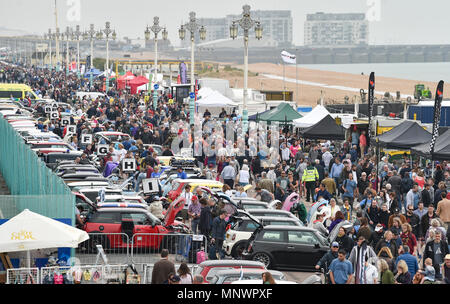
[{"x": 399, "y": 210}]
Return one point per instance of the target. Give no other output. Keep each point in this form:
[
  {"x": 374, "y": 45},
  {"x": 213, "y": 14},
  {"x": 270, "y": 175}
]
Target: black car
[{"x": 286, "y": 247}]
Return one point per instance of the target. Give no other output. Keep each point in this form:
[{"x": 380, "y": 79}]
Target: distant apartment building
[
  {"x": 329, "y": 30},
  {"x": 277, "y": 26}
]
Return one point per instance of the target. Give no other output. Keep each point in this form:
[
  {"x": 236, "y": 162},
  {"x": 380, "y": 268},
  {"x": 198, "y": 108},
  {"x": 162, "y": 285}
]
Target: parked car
[
  {"x": 53, "y": 159},
  {"x": 131, "y": 221},
  {"x": 241, "y": 230},
  {"x": 208, "y": 269},
  {"x": 230, "y": 275},
  {"x": 286, "y": 247},
  {"x": 179, "y": 184},
  {"x": 246, "y": 205},
  {"x": 46, "y": 144},
  {"x": 273, "y": 212},
  {"x": 111, "y": 137}
]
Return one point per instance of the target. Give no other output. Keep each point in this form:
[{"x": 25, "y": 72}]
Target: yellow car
[{"x": 165, "y": 160}]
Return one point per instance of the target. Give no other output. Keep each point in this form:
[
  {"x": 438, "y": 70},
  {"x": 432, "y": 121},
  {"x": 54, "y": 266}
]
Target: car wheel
[
  {"x": 263, "y": 258},
  {"x": 237, "y": 250}
]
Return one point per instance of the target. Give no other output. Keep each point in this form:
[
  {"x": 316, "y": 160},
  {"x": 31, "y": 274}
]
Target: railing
[
  {"x": 22, "y": 276},
  {"x": 32, "y": 185},
  {"x": 147, "y": 246},
  {"x": 140, "y": 248}
]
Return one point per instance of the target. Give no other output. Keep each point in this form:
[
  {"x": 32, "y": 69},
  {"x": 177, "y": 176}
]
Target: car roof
[
  {"x": 127, "y": 205},
  {"x": 198, "y": 181},
  {"x": 96, "y": 189},
  {"x": 274, "y": 218},
  {"x": 254, "y": 203},
  {"x": 230, "y": 263},
  {"x": 119, "y": 209},
  {"x": 296, "y": 228},
  {"x": 247, "y": 270},
  {"x": 88, "y": 184},
  {"x": 269, "y": 211}
]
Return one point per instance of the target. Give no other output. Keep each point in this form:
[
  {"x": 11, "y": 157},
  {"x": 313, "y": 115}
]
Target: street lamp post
[
  {"x": 90, "y": 34},
  {"x": 192, "y": 26},
  {"x": 108, "y": 32},
  {"x": 155, "y": 29},
  {"x": 68, "y": 35},
  {"x": 246, "y": 24},
  {"x": 76, "y": 36},
  {"x": 58, "y": 55}
]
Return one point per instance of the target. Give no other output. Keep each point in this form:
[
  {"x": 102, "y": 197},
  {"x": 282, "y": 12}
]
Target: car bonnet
[{"x": 173, "y": 209}]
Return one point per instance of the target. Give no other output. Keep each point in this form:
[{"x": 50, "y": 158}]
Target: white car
[{"x": 237, "y": 236}]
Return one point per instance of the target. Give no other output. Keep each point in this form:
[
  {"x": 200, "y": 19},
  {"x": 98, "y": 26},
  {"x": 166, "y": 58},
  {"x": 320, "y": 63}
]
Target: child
[{"x": 429, "y": 272}]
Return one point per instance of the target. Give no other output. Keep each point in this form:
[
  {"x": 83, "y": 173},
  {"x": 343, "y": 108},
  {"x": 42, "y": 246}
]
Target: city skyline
[{"x": 130, "y": 21}]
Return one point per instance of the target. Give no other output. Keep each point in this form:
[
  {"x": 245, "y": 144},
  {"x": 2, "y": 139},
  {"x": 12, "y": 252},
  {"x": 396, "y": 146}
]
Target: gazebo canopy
[{"x": 283, "y": 112}]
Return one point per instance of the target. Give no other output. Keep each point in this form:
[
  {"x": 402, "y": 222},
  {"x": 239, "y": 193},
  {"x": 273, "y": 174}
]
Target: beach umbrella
[{"x": 30, "y": 231}]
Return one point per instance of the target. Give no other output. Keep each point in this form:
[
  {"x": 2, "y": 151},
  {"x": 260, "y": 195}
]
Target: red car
[
  {"x": 117, "y": 221},
  {"x": 208, "y": 269}
]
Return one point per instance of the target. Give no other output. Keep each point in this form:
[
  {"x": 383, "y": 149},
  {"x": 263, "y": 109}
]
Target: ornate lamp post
[
  {"x": 49, "y": 36},
  {"x": 155, "y": 29},
  {"x": 90, "y": 34},
  {"x": 68, "y": 35},
  {"x": 108, "y": 34},
  {"x": 192, "y": 26},
  {"x": 76, "y": 35},
  {"x": 246, "y": 23}
]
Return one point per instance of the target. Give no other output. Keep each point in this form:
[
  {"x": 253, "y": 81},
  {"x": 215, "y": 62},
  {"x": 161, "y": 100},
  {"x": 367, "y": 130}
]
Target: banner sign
[
  {"x": 370, "y": 99},
  {"x": 437, "y": 114}
]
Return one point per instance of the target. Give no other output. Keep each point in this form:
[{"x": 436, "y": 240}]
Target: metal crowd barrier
[
  {"x": 146, "y": 247},
  {"x": 148, "y": 270},
  {"x": 22, "y": 276},
  {"x": 140, "y": 248},
  {"x": 84, "y": 274},
  {"x": 115, "y": 245}
]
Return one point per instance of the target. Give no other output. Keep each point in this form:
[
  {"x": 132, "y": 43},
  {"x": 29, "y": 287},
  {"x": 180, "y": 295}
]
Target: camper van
[{"x": 16, "y": 90}]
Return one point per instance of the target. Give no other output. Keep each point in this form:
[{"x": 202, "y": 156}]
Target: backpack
[{"x": 406, "y": 184}]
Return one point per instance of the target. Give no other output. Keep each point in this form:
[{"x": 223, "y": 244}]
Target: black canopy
[
  {"x": 441, "y": 148},
  {"x": 327, "y": 128},
  {"x": 404, "y": 136}
]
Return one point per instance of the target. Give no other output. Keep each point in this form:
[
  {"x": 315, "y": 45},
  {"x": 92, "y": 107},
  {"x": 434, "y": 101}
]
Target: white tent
[
  {"x": 313, "y": 117},
  {"x": 30, "y": 231},
  {"x": 211, "y": 98}
]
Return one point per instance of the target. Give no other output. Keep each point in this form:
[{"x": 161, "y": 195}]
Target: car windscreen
[
  {"x": 212, "y": 272},
  {"x": 61, "y": 157},
  {"x": 281, "y": 223},
  {"x": 247, "y": 226}
]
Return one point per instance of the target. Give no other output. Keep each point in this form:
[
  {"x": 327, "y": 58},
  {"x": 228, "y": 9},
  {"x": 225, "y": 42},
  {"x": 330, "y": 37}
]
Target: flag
[
  {"x": 370, "y": 99},
  {"x": 437, "y": 114},
  {"x": 288, "y": 58}
]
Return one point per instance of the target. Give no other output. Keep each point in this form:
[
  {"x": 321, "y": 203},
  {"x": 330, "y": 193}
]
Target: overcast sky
[{"x": 401, "y": 21}]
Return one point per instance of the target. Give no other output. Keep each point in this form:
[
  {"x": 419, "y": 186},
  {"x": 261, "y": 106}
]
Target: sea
[{"x": 423, "y": 71}]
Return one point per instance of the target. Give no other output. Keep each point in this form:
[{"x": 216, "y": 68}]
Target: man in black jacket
[
  {"x": 436, "y": 250},
  {"x": 205, "y": 221},
  {"x": 326, "y": 260},
  {"x": 219, "y": 226},
  {"x": 426, "y": 196}
]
